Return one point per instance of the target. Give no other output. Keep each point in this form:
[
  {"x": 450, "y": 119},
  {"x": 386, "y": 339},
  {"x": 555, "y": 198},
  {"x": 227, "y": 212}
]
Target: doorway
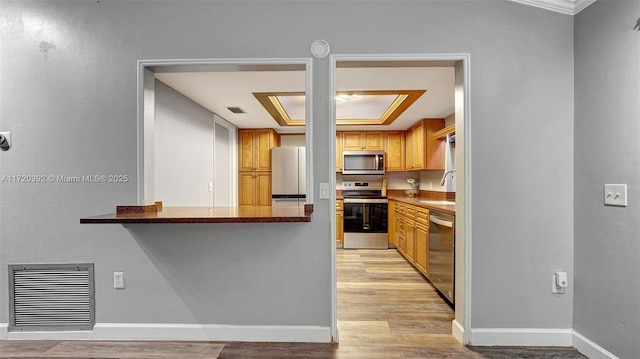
[
  {"x": 459, "y": 65},
  {"x": 224, "y": 168}
]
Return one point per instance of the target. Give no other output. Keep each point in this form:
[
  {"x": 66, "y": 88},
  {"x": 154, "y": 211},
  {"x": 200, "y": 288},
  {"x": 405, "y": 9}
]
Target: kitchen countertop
[
  {"x": 244, "y": 214},
  {"x": 451, "y": 209}
]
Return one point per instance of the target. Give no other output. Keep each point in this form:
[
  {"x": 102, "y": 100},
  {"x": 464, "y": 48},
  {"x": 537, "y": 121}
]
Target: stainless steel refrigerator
[{"x": 288, "y": 175}]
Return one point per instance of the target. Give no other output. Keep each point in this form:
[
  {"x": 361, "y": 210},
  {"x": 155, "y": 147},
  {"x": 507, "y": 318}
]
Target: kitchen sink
[{"x": 436, "y": 202}]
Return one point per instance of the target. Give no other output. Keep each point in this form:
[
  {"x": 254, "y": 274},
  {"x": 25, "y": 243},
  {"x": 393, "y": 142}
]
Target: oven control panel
[{"x": 359, "y": 185}]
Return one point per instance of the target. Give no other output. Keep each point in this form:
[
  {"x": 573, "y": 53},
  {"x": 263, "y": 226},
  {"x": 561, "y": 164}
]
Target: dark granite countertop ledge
[{"x": 243, "y": 214}]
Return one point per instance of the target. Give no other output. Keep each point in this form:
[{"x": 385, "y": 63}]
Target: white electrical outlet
[
  {"x": 118, "y": 280},
  {"x": 615, "y": 195}
]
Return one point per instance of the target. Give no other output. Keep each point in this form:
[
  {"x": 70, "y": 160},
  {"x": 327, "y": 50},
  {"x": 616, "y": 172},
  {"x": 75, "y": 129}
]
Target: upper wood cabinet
[
  {"x": 338, "y": 151},
  {"x": 424, "y": 152},
  {"x": 394, "y": 148},
  {"x": 367, "y": 140},
  {"x": 254, "y": 153}
]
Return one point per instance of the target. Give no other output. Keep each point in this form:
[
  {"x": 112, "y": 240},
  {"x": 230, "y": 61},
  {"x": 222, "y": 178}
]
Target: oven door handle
[{"x": 366, "y": 200}]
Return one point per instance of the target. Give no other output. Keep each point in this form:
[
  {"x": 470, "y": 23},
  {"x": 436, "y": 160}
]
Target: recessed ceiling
[{"x": 354, "y": 107}]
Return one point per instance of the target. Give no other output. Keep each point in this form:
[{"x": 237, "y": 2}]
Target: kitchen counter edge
[{"x": 451, "y": 209}]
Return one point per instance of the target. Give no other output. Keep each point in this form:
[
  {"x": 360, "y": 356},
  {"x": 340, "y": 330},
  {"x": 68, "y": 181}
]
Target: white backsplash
[{"x": 429, "y": 180}]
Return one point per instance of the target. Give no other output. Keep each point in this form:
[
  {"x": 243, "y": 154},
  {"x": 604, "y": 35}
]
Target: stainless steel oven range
[{"x": 365, "y": 215}]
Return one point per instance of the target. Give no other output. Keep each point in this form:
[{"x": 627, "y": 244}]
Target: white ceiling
[{"x": 217, "y": 90}]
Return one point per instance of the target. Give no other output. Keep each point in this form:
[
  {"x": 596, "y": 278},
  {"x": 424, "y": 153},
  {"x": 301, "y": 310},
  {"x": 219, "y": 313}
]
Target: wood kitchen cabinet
[
  {"x": 365, "y": 140},
  {"x": 410, "y": 246},
  {"x": 424, "y": 151},
  {"x": 411, "y": 234},
  {"x": 254, "y": 189},
  {"x": 254, "y": 166},
  {"x": 254, "y": 152},
  {"x": 394, "y": 149},
  {"x": 421, "y": 235},
  {"x": 391, "y": 223},
  {"x": 338, "y": 151},
  {"x": 339, "y": 223}
]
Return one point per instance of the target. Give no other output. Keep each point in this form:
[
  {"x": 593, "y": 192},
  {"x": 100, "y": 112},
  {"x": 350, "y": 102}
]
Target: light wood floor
[{"x": 386, "y": 309}]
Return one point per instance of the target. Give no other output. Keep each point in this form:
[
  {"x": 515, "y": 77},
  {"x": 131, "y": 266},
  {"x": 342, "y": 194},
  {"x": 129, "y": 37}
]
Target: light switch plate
[
  {"x": 118, "y": 280},
  {"x": 324, "y": 190},
  {"x": 615, "y": 195}
]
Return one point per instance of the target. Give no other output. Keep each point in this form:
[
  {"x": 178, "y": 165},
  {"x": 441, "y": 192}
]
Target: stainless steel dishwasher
[{"x": 441, "y": 252}]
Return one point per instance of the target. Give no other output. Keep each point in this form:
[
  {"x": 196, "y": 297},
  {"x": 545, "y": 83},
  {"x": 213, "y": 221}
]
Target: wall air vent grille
[
  {"x": 52, "y": 297},
  {"x": 236, "y": 109}
]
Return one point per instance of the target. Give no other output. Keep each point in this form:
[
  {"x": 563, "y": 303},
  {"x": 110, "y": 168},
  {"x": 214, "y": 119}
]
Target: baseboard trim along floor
[
  {"x": 522, "y": 337},
  {"x": 457, "y": 330},
  {"x": 589, "y": 348},
  {"x": 183, "y": 332}
]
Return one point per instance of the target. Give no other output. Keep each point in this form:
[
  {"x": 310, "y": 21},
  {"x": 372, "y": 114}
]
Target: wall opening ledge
[{"x": 242, "y": 214}]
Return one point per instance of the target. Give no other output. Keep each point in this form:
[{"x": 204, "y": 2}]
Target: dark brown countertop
[
  {"x": 451, "y": 209},
  {"x": 244, "y": 214}
]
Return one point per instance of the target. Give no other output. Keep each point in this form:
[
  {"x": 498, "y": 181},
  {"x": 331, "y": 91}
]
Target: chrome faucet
[{"x": 444, "y": 176}]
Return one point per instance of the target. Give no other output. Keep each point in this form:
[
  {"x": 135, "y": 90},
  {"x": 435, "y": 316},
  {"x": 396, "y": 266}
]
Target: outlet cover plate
[
  {"x": 5, "y": 146},
  {"x": 615, "y": 195}
]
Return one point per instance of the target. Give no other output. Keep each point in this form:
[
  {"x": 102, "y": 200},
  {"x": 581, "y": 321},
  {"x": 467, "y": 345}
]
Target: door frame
[
  {"x": 146, "y": 109},
  {"x": 233, "y": 164},
  {"x": 461, "y": 325}
]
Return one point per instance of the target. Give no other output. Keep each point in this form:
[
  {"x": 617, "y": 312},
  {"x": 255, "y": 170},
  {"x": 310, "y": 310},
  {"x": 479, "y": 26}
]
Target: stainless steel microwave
[{"x": 363, "y": 162}]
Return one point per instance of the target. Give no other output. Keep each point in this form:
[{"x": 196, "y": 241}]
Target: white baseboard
[
  {"x": 590, "y": 349},
  {"x": 458, "y": 331},
  {"x": 186, "y": 332},
  {"x": 4, "y": 329},
  {"x": 521, "y": 337}
]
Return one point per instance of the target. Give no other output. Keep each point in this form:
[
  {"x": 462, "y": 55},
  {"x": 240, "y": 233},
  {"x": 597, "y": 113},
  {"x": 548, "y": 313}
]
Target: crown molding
[{"x": 570, "y": 7}]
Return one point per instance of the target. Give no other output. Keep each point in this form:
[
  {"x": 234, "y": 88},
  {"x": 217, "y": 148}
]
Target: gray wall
[
  {"x": 69, "y": 97},
  {"x": 607, "y": 150},
  {"x": 183, "y": 157}
]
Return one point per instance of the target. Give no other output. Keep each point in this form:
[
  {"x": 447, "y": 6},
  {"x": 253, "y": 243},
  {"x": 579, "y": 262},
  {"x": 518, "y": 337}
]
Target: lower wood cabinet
[
  {"x": 410, "y": 233},
  {"x": 339, "y": 223},
  {"x": 410, "y": 246},
  {"x": 421, "y": 235},
  {"x": 254, "y": 189}
]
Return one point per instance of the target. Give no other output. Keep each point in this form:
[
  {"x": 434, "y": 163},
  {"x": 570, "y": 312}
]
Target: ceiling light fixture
[{"x": 342, "y": 98}]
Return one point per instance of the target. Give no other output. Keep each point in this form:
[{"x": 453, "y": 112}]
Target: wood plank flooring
[{"x": 386, "y": 309}]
